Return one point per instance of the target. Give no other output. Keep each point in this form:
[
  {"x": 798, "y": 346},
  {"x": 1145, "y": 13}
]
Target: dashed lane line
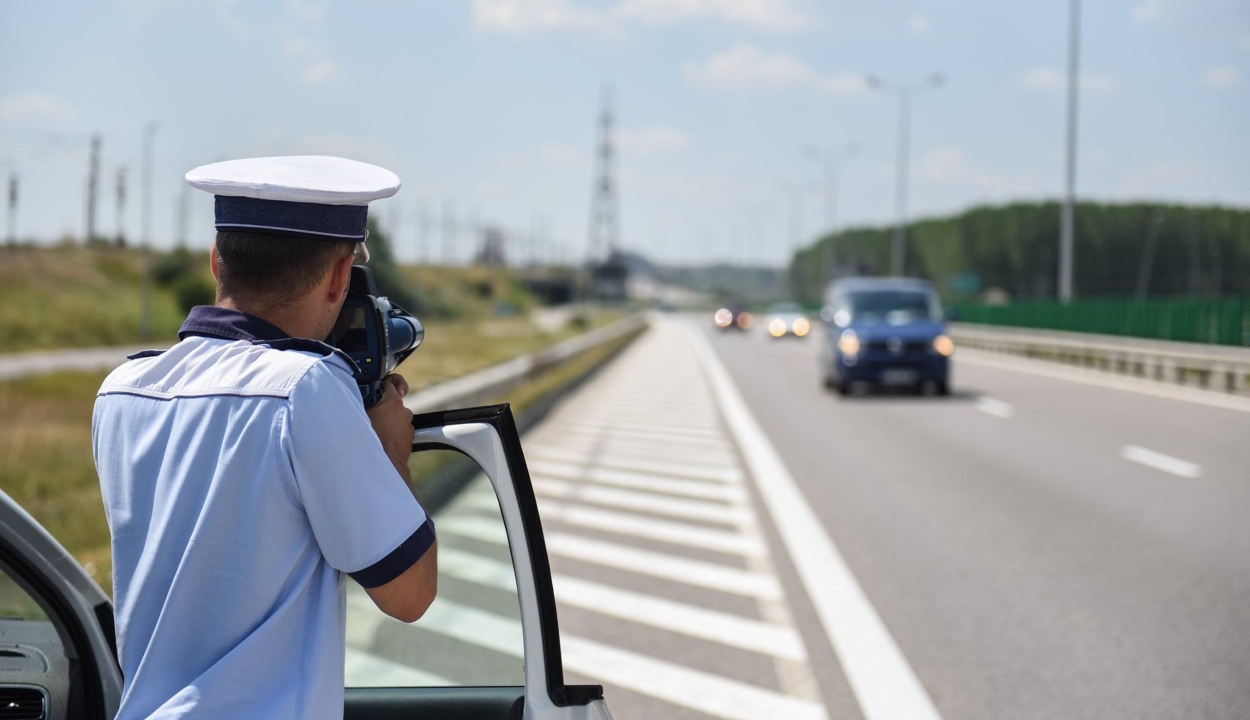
[
  {"x": 1159, "y": 461},
  {"x": 997, "y": 408}
]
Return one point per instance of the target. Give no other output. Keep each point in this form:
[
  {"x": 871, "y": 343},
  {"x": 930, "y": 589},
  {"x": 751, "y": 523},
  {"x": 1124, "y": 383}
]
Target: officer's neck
[{"x": 300, "y": 319}]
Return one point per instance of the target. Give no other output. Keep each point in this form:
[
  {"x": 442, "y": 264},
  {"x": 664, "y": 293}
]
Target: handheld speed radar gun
[{"x": 374, "y": 332}]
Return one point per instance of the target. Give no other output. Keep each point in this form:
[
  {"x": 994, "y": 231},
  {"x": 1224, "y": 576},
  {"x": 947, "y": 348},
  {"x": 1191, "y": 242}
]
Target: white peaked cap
[{"x": 299, "y": 178}]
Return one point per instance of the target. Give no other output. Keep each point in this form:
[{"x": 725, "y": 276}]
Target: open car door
[
  {"x": 58, "y": 657},
  {"x": 489, "y": 646}
]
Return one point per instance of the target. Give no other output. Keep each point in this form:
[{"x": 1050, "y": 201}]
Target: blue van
[{"x": 885, "y": 332}]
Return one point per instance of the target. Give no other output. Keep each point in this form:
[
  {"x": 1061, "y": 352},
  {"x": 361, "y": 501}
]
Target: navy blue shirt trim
[
  {"x": 284, "y": 217},
  {"x": 399, "y": 559},
  {"x": 228, "y": 324}
]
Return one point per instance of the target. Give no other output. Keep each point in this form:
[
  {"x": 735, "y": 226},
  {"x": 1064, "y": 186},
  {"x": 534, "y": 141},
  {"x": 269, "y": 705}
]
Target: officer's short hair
[{"x": 275, "y": 268}]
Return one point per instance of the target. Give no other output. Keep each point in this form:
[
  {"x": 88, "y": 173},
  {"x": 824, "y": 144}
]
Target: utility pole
[
  {"x": 93, "y": 181},
  {"x": 120, "y": 216},
  {"x": 449, "y": 224},
  {"x": 904, "y": 93},
  {"x": 145, "y": 290},
  {"x": 1067, "y": 230},
  {"x": 11, "y": 235},
  {"x": 1146, "y": 269}
]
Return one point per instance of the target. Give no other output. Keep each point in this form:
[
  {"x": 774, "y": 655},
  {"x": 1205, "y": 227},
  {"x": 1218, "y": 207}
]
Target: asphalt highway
[{"x": 1037, "y": 547}]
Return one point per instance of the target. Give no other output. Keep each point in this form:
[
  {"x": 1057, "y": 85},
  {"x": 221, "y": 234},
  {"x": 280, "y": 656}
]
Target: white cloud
[
  {"x": 1045, "y": 78},
  {"x": 1222, "y": 77},
  {"x": 945, "y": 177},
  {"x": 1148, "y": 11},
  {"x": 652, "y": 140},
  {"x": 35, "y": 108},
  {"x": 310, "y": 11},
  {"x": 767, "y": 14},
  {"x": 320, "y": 72},
  {"x": 297, "y": 47},
  {"x": 745, "y": 67},
  {"x": 522, "y": 17},
  {"x": 918, "y": 24}
]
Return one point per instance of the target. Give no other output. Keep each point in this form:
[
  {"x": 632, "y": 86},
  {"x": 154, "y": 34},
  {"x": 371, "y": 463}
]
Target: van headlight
[
  {"x": 848, "y": 342},
  {"x": 943, "y": 345},
  {"x": 800, "y": 326},
  {"x": 777, "y": 327}
]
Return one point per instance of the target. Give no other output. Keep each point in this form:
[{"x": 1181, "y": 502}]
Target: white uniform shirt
[{"x": 241, "y": 484}]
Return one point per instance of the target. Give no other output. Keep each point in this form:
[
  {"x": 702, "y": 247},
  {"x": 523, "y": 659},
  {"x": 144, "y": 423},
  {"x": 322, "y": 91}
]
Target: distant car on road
[
  {"x": 787, "y": 318},
  {"x": 885, "y": 332},
  {"x": 733, "y": 317}
]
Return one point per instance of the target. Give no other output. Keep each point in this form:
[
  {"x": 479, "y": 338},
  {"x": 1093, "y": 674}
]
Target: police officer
[{"x": 243, "y": 478}]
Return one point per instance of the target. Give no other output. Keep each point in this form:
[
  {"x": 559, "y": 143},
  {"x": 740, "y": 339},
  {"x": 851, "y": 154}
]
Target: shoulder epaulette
[{"x": 144, "y": 354}]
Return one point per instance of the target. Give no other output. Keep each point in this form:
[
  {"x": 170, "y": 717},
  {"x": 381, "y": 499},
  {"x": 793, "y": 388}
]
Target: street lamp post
[
  {"x": 1067, "y": 229},
  {"x": 145, "y": 289},
  {"x": 904, "y": 94},
  {"x": 833, "y": 165}
]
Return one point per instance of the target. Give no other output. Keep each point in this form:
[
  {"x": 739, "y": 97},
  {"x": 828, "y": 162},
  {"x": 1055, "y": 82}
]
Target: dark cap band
[{"x": 313, "y": 220}]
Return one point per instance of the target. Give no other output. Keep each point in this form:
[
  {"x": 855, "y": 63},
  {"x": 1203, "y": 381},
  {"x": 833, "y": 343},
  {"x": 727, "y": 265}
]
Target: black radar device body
[{"x": 374, "y": 332}]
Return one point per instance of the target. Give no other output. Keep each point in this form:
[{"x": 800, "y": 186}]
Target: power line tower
[{"x": 607, "y": 268}]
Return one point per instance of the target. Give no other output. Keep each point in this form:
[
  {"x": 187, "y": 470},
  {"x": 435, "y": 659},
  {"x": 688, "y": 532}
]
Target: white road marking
[
  {"x": 1159, "y": 461},
  {"x": 681, "y": 685},
  {"x": 691, "y": 620},
  {"x": 361, "y": 669},
  {"x": 997, "y": 408},
  {"x": 663, "y": 437},
  {"x": 1103, "y": 379},
  {"x": 633, "y": 462},
  {"x": 638, "y": 481},
  {"x": 585, "y": 424},
  {"x": 881, "y": 678},
  {"x": 657, "y": 678},
  {"x": 653, "y": 503},
  {"x": 743, "y": 543},
  {"x": 656, "y": 450},
  {"x": 698, "y": 573}
]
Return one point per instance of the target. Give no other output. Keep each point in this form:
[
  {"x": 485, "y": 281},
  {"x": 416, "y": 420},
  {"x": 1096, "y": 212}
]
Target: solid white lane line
[
  {"x": 1108, "y": 380},
  {"x": 680, "y": 685},
  {"x": 691, "y": 620},
  {"x": 633, "y": 462},
  {"x": 742, "y": 543},
  {"x": 997, "y": 408},
  {"x": 698, "y": 573},
  {"x": 653, "y": 503},
  {"x": 881, "y": 678},
  {"x": 361, "y": 669},
  {"x": 638, "y": 481},
  {"x": 1159, "y": 461}
]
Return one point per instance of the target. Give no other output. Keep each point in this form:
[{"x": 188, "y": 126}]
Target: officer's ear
[{"x": 340, "y": 277}]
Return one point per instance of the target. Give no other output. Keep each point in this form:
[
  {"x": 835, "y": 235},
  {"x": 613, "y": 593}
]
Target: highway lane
[{"x": 1025, "y": 568}]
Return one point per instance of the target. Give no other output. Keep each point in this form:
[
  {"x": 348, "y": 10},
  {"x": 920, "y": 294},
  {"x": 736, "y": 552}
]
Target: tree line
[{"x": 1127, "y": 250}]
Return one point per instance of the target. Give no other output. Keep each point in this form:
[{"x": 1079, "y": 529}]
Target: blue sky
[{"x": 488, "y": 107}]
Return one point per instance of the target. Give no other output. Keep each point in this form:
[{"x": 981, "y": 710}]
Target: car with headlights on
[
  {"x": 787, "y": 319},
  {"x": 733, "y": 317},
  {"x": 885, "y": 332}
]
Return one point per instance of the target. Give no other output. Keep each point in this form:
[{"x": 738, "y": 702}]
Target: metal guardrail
[
  {"x": 1211, "y": 367},
  {"x": 484, "y": 385}
]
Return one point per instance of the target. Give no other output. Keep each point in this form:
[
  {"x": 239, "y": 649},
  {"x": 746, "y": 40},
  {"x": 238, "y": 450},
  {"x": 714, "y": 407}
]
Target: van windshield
[{"x": 893, "y": 307}]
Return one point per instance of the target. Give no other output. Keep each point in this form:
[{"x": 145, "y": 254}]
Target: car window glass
[
  {"x": 471, "y": 635},
  {"x": 32, "y": 656}
]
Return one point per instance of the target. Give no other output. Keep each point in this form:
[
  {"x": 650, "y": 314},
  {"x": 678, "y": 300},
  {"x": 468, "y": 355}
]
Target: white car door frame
[{"x": 488, "y": 435}]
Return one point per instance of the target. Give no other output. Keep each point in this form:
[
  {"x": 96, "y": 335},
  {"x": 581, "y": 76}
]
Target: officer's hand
[{"x": 392, "y": 421}]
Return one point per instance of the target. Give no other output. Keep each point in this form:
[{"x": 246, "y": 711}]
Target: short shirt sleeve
[{"x": 365, "y": 519}]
